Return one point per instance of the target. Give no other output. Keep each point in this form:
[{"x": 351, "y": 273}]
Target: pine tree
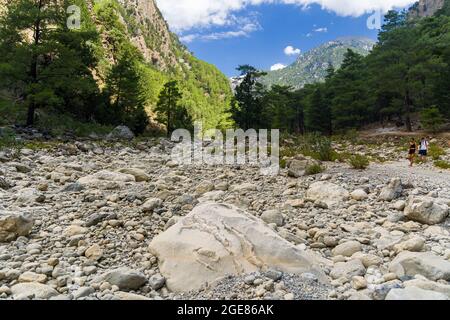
[
  {"x": 169, "y": 111},
  {"x": 317, "y": 111},
  {"x": 247, "y": 107},
  {"x": 48, "y": 68}
]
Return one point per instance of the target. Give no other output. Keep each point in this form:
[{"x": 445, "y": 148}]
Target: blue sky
[{"x": 228, "y": 33}]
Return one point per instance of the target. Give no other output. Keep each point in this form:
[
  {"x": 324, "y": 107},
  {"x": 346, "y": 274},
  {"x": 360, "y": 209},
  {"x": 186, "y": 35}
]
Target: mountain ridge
[{"x": 311, "y": 66}]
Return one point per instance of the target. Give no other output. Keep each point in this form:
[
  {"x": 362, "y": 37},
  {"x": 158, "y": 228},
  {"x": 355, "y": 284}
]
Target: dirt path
[{"x": 419, "y": 172}]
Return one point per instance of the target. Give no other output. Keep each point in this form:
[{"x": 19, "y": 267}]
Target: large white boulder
[
  {"x": 327, "y": 192},
  {"x": 392, "y": 191},
  {"x": 414, "y": 293},
  {"x": 216, "y": 240},
  {"x": 13, "y": 225},
  {"x": 426, "y": 264},
  {"x": 424, "y": 283},
  {"x": 33, "y": 289},
  {"x": 426, "y": 210}
]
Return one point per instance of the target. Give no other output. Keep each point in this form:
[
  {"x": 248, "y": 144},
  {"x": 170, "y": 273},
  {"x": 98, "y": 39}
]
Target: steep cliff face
[
  {"x": 206, "y": 91},
  {"x": 426, "y": 8},
  {"x": 150, "y": 33}
]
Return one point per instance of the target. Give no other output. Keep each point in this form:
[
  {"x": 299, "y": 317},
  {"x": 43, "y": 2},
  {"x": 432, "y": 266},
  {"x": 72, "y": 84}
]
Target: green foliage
[
  {"x": 359, "y": 162},
  {"x": 317, "y": 110},
  {"x": 169, "y": 110},
  {"x": 11, "y": 113},
  {"x": 9, "y": 141},
  {"x": 52, "y": 69},
  {"x": 432, "y": 119},
  {"x": 126, "y": 86},
  {"x": 319, "y": 147},
  {"x": 247, "y": 107},
  {"x": 314, "y": 169},
  {"x": 435, "y": 151},
  {"x": 442, "y": 164},
  {"x": 60, "y": 124},
  {"x": 406, "y": 72}
]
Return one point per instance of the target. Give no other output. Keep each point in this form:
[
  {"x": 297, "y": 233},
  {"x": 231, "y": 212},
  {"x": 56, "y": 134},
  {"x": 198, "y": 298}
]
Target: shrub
[
  {"x": 9, "y": 141},
  {"x": 318, "y": 147},
  {"x": 314, "y": 169},
  {"x": 442, "y": 164},
  {"x": 435, "y": 151},
  {"x": 359, "y": 162}
]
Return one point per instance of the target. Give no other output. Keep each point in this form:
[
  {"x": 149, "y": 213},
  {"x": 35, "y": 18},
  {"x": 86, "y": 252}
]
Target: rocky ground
[{"x": 80, "y": 220}]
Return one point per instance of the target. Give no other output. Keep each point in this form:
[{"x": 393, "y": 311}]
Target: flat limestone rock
[
  {"x": 414, "y": 293},
  {"x": 36, "y": 290},
  {"x": 216, "y": 240},
  {"x": 106, "y": 176},
  {"x": 327, "y": 192},
  {"x": 426, "y": 264}
]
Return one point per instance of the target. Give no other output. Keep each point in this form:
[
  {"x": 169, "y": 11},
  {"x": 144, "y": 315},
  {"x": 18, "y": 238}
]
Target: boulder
[
  {"x": 273, "y": 216},
  {"x": 94, "y": 252},
  {"x": 13, "y": 225},
  {"x": 106, "y": 176},
  {"x": 121, "y": 133},
  {"x": 28, "y": 196},
  {"x": 125, "y": 278},
  {"x": 216, "y": 240},
  {"x": 29, "y": 276},
  {"x": 367, "y": 259},
  {"x": 4, "y": 184},
  {"x": 426, "y": 210},
  {"x": 152, "y": 204},
  {"x": 424, "y": 283},
  {"x": 392, "y": 191},
  {"x": 327, "y": 192},
  {"x": 423, "y": 263},
  {"x": 73, "y": 187},
  {"x": 347, "y": 249},
  {"x": 20, "y": 167},
  {"x": 33, "y": 289},
  {"x": 244, "y": 187},
  {"x": 359, "y": 195},
  {"x": 414, "y": 244},
  {"x": 298, "y": 168},
  {"x": 348, "y": 269},
  {"x": 139, "y": 175},
  {"x": 414, "y": 293},
  {"x": 204, "y": 187}
]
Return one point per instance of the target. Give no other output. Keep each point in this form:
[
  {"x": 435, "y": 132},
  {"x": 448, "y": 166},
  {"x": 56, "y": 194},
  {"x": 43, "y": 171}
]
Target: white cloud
[
  {"x": 325, "y": 29},
  {"x": 291, "y": 51},
  {"x": 184, "y": 15},
  {"x": 244, "y": 31},
  {"x": 277, "y": 66}
]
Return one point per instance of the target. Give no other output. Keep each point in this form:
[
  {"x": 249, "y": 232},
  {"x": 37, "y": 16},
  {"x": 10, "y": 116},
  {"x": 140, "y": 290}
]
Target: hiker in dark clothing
[{"x": 412, "y": 152}]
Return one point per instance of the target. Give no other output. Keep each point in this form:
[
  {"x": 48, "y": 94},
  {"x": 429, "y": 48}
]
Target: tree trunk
[
  {"x": 34, "y": 64},
  {"x": 408, "y": 112}
]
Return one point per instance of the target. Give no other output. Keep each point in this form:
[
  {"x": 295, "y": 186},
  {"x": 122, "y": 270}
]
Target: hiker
[
  {"x": 412, "y": 152},
  {"x": 423, "y": 151}
]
